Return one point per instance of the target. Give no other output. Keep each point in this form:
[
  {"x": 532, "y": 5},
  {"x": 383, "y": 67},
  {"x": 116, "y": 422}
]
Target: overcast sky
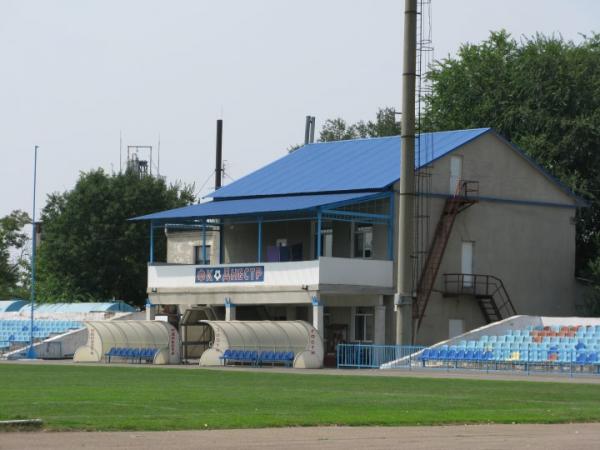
[{"x": 74, "y": 74}]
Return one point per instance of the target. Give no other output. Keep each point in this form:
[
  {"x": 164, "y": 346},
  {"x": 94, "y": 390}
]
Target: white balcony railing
[{"x": 325, "y": 271}]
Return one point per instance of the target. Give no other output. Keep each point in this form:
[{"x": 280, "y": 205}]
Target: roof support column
[
  {"x": 204, "y": 241},
  {"x": 317, "y": 315},
  {"x": 379, "y": 337},
  {"x": 229, "y": 310},
  {"x": 319, "y": 217},
  {"x": 390, "y": 227},
  {"x": 221, "y": 240},
  {"x": 151, "y": 242},
  {"x": 259, "y": 250}
]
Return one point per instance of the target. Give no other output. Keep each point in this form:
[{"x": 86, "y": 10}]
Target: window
[
  {"x": 363, "y": 324},
  {"x": 199, "y": 255},
  {"x": 455, "y": 172},
  {"x": 363, "y": 241}
]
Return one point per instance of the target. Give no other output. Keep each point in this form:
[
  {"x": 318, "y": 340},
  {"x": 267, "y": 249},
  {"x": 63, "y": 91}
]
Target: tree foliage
[
  {"x": 543, "y": 94},
  {"x": 13, "y": 255},
  {"x": 89, "y": 249},
  {"x": 384, "y": 125}
]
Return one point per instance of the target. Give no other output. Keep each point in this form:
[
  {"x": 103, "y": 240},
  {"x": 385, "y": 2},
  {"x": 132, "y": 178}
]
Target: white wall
[{"x": 331, "y": 271}]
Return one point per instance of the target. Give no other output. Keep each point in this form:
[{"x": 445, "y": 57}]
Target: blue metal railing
[{"x": 369, "y": 356}]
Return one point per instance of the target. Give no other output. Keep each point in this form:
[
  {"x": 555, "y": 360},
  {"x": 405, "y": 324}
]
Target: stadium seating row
[
  {"x": 129, "y": 354},
  {"x": 18, "y": 331},
  {"x": 9, "y": 324},
  {"x": 255, "y": 358},
  {"x": 555, "y": 344}
]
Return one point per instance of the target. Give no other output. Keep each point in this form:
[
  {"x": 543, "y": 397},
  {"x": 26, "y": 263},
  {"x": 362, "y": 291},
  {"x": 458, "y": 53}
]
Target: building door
[
  {"x": 363, "y": 324},
  {"x": 455, "y": 172},
  {"x": 466, "y": 263}
]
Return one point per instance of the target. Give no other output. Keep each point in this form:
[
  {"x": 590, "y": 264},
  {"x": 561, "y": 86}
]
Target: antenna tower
[{"x": 424, "y": 146}]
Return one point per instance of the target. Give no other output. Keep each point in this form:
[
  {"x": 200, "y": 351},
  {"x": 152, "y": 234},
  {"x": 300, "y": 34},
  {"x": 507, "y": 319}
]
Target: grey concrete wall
[
  {"x": 380, "y": 238},
  {"x": 530, "y": 247},
  {"x": 240, "y": 243},
  {"x": 180, "y": 246},
  {"x": 501, "y": 172},
  {"x": 342, "y": 239}
]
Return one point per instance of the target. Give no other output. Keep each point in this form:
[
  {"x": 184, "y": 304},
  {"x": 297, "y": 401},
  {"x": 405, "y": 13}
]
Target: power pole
[{"x": 404, "y": 296}]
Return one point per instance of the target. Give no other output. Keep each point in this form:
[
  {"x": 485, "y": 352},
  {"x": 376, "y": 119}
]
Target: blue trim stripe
[{"x": 514, "y": 201}]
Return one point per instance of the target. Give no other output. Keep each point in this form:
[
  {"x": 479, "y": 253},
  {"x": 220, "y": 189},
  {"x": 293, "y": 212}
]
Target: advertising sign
[{"x": 239, "y": 274}]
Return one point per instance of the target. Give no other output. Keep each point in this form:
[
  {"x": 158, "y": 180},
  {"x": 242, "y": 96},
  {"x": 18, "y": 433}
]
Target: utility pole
[
  {"x": 31, "y": 351},
  {"x": 404, "y": 297}
]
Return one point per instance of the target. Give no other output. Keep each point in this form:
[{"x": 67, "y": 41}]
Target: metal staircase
[
  {"x": 488, "y": 290},
  {"x": 466, "y": 195}
]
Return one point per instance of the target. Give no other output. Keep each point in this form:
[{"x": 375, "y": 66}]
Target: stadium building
[{"x": 311, "y": 237}]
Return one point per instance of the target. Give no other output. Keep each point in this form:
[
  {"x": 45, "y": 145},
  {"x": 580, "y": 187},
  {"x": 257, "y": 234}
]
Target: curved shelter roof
[
  {"x": 295, "y": 336},
  {"x": 13, "y": 305},
  {"x": 104, "y": 335}
]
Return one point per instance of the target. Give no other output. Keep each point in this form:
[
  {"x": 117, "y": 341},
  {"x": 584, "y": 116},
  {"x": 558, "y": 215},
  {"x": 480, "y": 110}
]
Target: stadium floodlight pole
[
  {"x": 404, "y": 296},
  {"x": 31, "y": 351}
]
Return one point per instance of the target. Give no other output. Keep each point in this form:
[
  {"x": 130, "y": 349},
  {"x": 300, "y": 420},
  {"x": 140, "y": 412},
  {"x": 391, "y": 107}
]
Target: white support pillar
[
  {"x": 150, "y": 310},
  {"x": 229, "y": 310},
  {"x": 379, "y": 337},
  {"x": 317, "y": 316},
  {"x": 352, "y": 324}
]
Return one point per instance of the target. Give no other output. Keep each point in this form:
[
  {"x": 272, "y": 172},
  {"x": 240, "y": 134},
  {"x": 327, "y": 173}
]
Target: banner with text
[{"x": 240, "y": 274}]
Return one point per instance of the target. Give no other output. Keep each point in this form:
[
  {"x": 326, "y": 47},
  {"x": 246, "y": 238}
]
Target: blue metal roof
[
  {"x": 83, "y": 307},
  {"x": 224, "y": 208},
  {"x": 354, "y": 165}
]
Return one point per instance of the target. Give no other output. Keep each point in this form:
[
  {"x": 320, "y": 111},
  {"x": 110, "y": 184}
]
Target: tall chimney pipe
[
  {"x": 307, "y": 130},
  {"x": 404, "y": 297},
  {"x": 219, "y": 161},
  {"x": 312, "y": 129}
]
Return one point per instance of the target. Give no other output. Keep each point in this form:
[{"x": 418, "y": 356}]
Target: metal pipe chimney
[
  {"x": 404, "y": 297},
  {"x": 219, "y": 155},
  {"x": 307, "y": 130},
  {"x": 312, "y": 129}
]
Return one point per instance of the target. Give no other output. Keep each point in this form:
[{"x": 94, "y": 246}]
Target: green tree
[
  {"x": 13, "y": 255},
  {"x": 89, "y": 250},
  {"x": 543, "y": 94},
  {"x": 338, "y": 129}
]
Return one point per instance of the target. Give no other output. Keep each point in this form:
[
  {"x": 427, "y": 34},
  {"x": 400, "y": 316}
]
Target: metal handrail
[
  {"x": 492, "y": 286},
  {"x": 466, "y": 187}
]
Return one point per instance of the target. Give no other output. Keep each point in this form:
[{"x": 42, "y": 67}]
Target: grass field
[{"x": 122, "y": 398}]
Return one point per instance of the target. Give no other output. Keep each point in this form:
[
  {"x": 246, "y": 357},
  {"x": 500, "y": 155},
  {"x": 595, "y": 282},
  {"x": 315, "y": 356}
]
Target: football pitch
[{"x": 69, "y": 397}]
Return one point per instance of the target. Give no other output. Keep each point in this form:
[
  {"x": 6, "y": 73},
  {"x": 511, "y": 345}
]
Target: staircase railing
[
  {"x": 483, "y": 287},
  {"x": 466, "y": 194}
]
